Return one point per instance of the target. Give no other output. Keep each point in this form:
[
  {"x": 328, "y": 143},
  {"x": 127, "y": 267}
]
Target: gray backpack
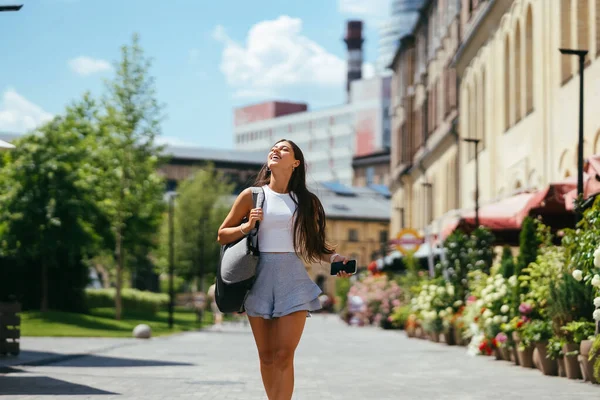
[{"x": 237, "y": 268}]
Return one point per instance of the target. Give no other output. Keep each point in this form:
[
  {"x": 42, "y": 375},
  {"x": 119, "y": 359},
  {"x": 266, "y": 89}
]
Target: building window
[
  {"x": 370, "y": 173},
  {"x": 383, "y": 237},
  {"x": 352, "y": 235},
  {"x": 565, "y": 39}
]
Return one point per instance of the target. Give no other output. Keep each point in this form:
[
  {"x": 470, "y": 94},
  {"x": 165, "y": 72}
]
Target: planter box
[
  {"x": 547, "y": 366},
  {"x": 506, "y": 353},
  {"x": 562, "y": 372},
  {"x": 587, "y": 366},
  {"x": 449, "y": 336},
  {"x": 572, "y": 368},
  {"x": 10, "y": 333}
]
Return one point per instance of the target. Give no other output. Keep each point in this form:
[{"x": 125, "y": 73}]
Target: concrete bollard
[{"x": 142, "y": 331}]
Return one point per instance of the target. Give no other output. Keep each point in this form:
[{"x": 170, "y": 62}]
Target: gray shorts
[{"x": 282, "y": 287}]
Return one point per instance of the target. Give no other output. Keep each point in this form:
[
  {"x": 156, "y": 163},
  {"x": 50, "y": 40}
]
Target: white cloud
[
  {"x": 84, "y": 65},
  {"x": 277, "y": 55},
  {"x": 17, "y": 114}
]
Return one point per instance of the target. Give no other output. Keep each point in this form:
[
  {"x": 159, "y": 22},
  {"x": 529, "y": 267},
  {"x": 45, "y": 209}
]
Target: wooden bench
[{"x": 10, "y": 333}]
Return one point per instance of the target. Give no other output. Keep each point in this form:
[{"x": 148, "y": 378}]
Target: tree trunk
[
  {"x": 119, "y": 277},
  {"x": 44, "y": 303}
]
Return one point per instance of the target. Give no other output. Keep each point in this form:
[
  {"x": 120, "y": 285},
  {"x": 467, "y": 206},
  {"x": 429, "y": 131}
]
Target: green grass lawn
[{"x": 100, "y": 322}]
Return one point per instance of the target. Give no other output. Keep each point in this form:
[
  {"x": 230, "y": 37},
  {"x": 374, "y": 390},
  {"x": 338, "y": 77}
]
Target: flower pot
[
  {"x": 571, "y": 363},
  {"x": 419, "y": 332},
  {"x": 515, "y": 352},
  {"x": 587, "y": 366},
  {"x": 526, "y": 357},
  {"x": 505, "y": 351},
  {"x": 547, "y": 366},
  {"x": 449, "y": 336},
  {"x": 536, "y": 359},
  {"x": 498, "y": 353},
  {"x": 514, "y": 355},
  {"x": 561, "y": 366},
  {"x": 434, "y": 337}
]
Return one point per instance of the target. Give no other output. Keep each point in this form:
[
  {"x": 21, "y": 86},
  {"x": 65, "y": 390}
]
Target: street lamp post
[
  {"x": 476, "y": 141},
  {"x": 581, "y": 54},
  {"x": 428, "y": 228},
  {"x": 171, "y": 196}
]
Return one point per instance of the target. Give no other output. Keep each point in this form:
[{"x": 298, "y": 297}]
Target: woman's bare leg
[
  {"x": 288, "y": 331},
  {"x": 264, "y": 336}
]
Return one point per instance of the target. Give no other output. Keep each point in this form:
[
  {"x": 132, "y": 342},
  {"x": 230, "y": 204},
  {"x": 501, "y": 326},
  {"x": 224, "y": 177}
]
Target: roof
[
  {"x": 211, "y": 154},
  {"x": 353, "y": 203}
]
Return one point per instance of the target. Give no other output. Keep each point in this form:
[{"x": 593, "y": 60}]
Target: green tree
[
  {"x": 203, "y": 202},
  {"x": 49, "y": 211},
  {"x": 135, "y": 200},
  {"x": 529, "y": 243},
  {"x": 482, "y": 250},
  {"x": 507, "y": 263}
]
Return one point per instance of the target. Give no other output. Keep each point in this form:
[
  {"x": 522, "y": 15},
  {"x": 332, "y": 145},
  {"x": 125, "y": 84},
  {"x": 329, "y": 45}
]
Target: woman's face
[{"x": 281, "y": 157}]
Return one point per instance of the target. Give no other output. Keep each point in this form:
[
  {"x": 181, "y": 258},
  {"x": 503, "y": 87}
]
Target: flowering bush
[
  {"x": 380, "y": 296},
  {"x": 434, "y": 302}
]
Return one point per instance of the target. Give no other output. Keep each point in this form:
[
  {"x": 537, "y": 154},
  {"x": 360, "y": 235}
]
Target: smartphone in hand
[{"x": 349, "y": 267}]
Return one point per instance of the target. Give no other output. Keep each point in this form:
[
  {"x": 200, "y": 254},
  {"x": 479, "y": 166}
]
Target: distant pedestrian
[{"x": 292, "y": 231}]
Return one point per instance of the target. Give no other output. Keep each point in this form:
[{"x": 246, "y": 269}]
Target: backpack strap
[{"x": 258, "y": 199}]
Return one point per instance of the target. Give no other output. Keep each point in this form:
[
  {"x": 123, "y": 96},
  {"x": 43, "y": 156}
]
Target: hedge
[{"x": 133, "y": 299}]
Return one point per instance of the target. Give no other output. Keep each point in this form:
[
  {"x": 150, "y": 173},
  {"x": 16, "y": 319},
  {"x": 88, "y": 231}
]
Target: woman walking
[{"x": 292, "y": 230}]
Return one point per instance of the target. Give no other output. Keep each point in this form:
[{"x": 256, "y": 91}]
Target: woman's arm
[{"x": 230, "y": 229}]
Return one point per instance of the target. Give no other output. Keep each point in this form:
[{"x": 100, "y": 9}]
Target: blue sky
[{"x": 208, "y": 56}]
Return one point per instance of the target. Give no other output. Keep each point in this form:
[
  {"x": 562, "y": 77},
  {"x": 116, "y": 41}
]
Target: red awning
[{"x": 507, "y": 213}]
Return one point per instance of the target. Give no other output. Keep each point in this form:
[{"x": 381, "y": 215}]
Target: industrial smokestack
[{"x": 354, "y": 42}]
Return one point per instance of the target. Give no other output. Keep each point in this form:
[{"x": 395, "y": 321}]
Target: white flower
[
  {"x": 597, "y": 302},
  {"x": 488, "y": 299},
  {"x": 596, "y": 280},
  {"x": 488, "y": 314},
  {"x": 442, "y": 313},
  {"x": 596, "y": 315},
  {"x": 578, "y": 275},
  {"x": 597, "y": 258},
  {"x": 512, "y": 280},
  {"x": 449, "y": 310},
  {"x": 497, "y": 319},
  {"x": 499, "y": 283},
  {"x": 479, "y": 303},
  {"x": 490, "y": 280},
  {"x": 441, "y": 291},
  {"x": 432, "y": 288},
  {"x": 505, "y": 319},
  {"x": 458, "y": 303},
  {"x": 504, "y": 309},
  {"x": 488, "y": 322},
  {"x": 450, "y": 290}
]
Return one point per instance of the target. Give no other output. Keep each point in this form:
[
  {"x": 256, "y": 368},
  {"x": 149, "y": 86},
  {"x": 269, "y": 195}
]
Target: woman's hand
[
  {"x": 338, "y": 258},
  {"x": 256, "y": 214}
]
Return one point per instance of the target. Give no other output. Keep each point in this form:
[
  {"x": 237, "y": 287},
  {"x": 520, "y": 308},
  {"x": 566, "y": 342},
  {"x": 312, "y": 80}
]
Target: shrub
[
  {"x": 507, "y": 263},
  {"x": 133, "y": 299}
]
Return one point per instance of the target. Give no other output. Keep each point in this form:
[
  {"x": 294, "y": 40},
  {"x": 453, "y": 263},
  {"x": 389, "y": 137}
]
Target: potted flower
[
  {"x": 576, "y": 332},
  {"x": 540, "y": 332},
  {"x": 554, "y": 351}
]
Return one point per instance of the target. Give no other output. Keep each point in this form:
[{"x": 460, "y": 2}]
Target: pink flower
[
  {"x": 396, "y": 303},
  {"x": 501, "y": 337},
  {"x": 471, "y": 299},
  {"x": 525, "y": 308}
]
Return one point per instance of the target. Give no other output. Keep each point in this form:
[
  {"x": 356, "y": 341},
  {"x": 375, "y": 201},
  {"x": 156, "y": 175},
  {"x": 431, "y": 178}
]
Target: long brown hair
[{"x": 309, "y": 226}]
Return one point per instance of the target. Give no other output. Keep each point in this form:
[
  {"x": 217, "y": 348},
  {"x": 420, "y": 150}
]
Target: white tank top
[{"x": 276, "y": 230}]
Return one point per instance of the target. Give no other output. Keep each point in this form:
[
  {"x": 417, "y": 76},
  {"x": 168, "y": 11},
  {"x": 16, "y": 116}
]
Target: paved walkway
[{"x": 333, "y": 362}]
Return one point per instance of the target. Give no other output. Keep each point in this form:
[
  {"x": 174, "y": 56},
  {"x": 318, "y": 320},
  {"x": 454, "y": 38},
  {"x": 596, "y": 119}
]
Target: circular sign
[{"x": 408, "y": 241}]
